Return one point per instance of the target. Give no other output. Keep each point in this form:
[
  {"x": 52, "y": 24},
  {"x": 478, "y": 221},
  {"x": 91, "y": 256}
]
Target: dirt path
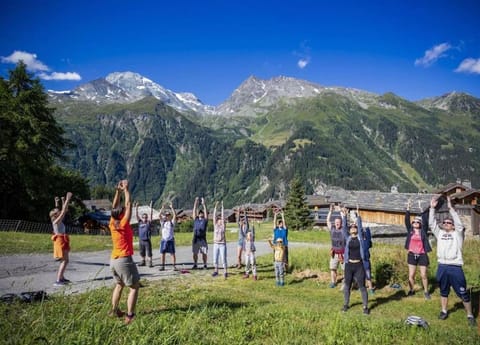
[{"x": 87, "y": 271}]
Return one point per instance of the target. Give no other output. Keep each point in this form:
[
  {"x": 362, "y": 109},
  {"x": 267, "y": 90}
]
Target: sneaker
[
  {"x": 332, "y": 285},
  {"x": 175, "y": 268},
  {"x": 194, "y": 267},
  {"x": 205, "y": 267},
  {"x": 410, "y": 293},
  {"x": 162, "y": 268},
  {"x": 255, "y": 277},
  {"x": 427, "y": 296},
  {"x": 59, "y": 283},
  {"x": 65, "y": 281},
  {"x": 366, "y": 311},
  {"x": 371, "y": 291},
  {"x": 225, "y": 275},
  {"x": 282, "y": 283},
  {"x": 442, "y": 315},
  {"x": 345, "y": 308},
  {"x": 471, "y": 321},
  {"x": 245, "y": 276},
  {"x": 116, "y": 313},
  {"x": 129, "y": 319},
  {"x": 150, "y": 264},
  {"x": 142, "y": 263},
  {"x": 214, "y": 274}
]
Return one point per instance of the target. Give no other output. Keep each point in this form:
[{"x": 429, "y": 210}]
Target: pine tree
[
  {"x": 31, "y": 143},
  {"x": 296, "y": 209}
]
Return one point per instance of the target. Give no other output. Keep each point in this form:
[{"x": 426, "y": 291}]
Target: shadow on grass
[
  {"x": 218, "y": 304},
  {"x": 398, "y": 295}
]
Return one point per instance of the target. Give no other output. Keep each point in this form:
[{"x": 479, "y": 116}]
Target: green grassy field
[{"x": 196, "y": 308}]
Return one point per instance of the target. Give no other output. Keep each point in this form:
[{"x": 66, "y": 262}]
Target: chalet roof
[
  {"x": 449, "y": 187},
  {"x": 464, "y": 194},
  {"x": 98, "y": 204},
  {"x": 141, "y": 210},
  {"x": 375, "y": 200}
]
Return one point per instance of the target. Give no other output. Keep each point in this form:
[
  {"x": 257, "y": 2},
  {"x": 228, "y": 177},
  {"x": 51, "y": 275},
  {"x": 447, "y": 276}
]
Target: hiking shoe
[
  {"x": 410, "y": 293},
  {"x": 59, "y": 283},
  {"x": 142, "y": 263},
  {"x": 427, "y": 296},
  {"x": 366, "y": 311},
  {"x": 245, "y": 276},
  {"x": 442, "y": 315},
  {"x": 471, "y": 321},
  {"x": 332, "y": 285},
  {"x": 129, "y": 319},
  {"x": 116, "y": 313},
  {"x": 214, "y": 274},
  {"x": 345, "y": 308}
]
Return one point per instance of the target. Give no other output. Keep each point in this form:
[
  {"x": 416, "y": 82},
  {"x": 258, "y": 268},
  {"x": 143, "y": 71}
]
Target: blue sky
[{"x": 416, "y": 49}]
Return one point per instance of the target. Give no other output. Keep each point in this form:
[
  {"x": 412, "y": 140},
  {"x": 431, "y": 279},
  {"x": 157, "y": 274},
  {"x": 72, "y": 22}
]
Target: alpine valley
[{"x": 171, "y": 146}]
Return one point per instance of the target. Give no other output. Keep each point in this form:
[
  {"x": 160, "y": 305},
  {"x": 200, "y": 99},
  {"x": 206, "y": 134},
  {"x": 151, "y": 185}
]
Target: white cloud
[
  {"x": 35, "y": 65},
  {"x": 302, "y": 63},
  {"x": 60, "y": 76},
  {"x": 469, "y": 65},
  {"x": 433, "y": 55},
  {"x": 29, "y": 59}
]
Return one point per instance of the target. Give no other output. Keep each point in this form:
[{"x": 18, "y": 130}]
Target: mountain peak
[{"x": 453, "y": 101}]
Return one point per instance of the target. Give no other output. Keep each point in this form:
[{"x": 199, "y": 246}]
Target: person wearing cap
[
  {"x": 418, "y": 248},
  {"x": 279, "y": 263},
  {"x": 338, "y": 245},
  {"x": 280, "y": 230},
  {"x": 450, "y": 259},
  {"x": 167, "y": 243},
  {"x": 354, "y": 257}
]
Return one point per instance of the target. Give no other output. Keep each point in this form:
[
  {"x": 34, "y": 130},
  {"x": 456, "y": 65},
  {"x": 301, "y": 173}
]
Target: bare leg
[
  {"x": 63, "y": 266},
  {"x": 117, "y": 293},
  {"x": 239, "y": 256},
  {"x": 423, "y": 274},
  {"x": 333, "y": 276},
  {"x": 132, "y": 298},
  {"x": 411, "y": 276},
  {"x": 444, "y": 303}
]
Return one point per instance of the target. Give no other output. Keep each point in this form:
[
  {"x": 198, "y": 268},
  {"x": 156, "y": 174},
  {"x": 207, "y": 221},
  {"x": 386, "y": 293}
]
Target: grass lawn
[{"x": 196, "y": 308}]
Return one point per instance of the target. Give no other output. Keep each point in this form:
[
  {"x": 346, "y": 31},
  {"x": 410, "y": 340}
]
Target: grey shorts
[
  {"x": 200, "y": 246},
  {"x": 335, "y": 262},
  {"x": 125, "y": 271}
]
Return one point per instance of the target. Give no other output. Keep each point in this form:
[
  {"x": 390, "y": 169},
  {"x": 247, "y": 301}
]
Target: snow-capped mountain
[{"x": 127, "y": 87}]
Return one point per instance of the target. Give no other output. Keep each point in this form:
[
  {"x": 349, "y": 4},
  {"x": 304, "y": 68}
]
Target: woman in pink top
[{"x": 418, "y": 247}]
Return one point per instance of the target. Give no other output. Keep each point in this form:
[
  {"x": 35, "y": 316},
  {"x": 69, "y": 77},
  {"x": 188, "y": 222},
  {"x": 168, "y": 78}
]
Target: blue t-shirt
[
  {"x": 280, "y": 233},
  {"x": 144, "y": 231},
  {"x": 200, "y": 228}
]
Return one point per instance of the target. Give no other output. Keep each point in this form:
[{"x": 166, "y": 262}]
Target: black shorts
[{"x": 418, "y": 259}]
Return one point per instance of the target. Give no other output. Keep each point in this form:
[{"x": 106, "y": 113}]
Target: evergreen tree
[
  {"x": 31, "y": 142},
  {"x": 296, "y": 209}
]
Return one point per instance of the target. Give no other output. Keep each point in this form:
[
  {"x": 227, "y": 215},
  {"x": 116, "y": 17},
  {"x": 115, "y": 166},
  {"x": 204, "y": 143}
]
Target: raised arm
[
  {"x": 135, "y": 204},
  {"x": 329, "y": 217},
  {"x": 274, "y": 219},
  {"x": 432, "y": 221},
  {"x": 116, "y": 198},
  {"x": 283, "y": 220},
  {"x": 151, "y": 210},
  {"x": 128, "y": 204},
  {"x": 174, "y": 214},
  {"x": 195, "y": 205},
  {"x": 408, "y": 225},
  {"x": 223, "y": 215},
  {"x": 205, "y": 209},
  {"x": 246, "y": 218},
  {"x": 343, "y": 214},
  {"x": 457, "y": 223},
  {"x": 64, "y": 209},
  {"x": 215, "y": 211}
]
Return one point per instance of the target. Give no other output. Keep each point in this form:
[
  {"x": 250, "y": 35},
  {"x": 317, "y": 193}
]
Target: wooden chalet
[{"x": 98, "y": 204}]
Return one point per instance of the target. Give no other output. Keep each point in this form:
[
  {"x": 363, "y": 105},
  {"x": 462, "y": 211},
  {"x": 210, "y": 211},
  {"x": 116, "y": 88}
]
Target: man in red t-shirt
[{"x": 123, "y": 267}]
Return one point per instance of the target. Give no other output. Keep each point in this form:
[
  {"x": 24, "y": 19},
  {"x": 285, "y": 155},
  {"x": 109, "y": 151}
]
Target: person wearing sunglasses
[
  {"x": 450, "y": 259},
  {"x": 418, "y": 248}
]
